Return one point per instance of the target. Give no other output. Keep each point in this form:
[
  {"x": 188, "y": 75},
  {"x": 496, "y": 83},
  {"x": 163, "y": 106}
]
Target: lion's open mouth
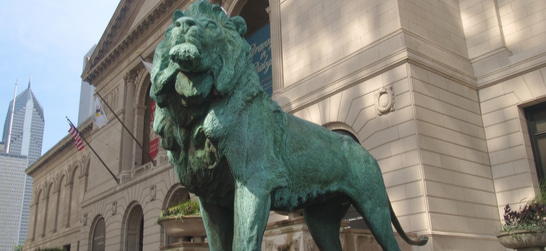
[
  {"x": 188, "y": 73},
  {"x": 187, "y": 57}
]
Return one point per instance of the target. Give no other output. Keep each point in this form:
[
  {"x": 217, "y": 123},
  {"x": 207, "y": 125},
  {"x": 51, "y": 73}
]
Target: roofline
[{"x": 98, "y": 63}]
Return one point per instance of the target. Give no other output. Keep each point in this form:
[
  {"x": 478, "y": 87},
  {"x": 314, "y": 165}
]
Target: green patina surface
[{"x": 234, "y": 147}]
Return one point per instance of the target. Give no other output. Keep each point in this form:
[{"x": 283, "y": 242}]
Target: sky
[{"x": 46, "y": 41}]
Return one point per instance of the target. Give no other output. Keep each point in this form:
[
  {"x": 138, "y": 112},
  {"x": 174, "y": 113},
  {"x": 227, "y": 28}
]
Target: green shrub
[{"x": 190, "y": 207}]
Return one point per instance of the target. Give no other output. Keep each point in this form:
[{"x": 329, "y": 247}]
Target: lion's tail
[{"x": 416, "y": 242}]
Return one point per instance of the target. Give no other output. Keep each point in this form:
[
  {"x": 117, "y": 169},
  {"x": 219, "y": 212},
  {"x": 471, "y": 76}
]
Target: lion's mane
[{"x": 186, "y": 80}]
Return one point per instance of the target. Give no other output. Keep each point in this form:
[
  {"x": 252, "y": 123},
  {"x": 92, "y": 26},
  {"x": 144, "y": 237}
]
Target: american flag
[{"x": 76, "y": 135}]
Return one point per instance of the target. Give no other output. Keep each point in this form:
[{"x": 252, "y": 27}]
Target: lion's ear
[
  {"x": 177, "y": 14},
  {"x": 240, "y": 25}
]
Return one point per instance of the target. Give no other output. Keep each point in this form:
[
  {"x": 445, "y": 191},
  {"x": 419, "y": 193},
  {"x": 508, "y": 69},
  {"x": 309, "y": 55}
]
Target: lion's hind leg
[
  {"x": 324, "y": 222},
  {"x": 377, "y": 214}
]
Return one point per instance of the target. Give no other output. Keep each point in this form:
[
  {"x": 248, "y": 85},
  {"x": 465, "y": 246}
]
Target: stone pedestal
[
  {"x": 362, "y": 239},
  {"x": 293, "y": 235},
  {"x": 186, "y": 233}
]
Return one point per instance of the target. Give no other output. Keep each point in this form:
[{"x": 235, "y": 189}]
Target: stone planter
[
  {"x": 523, "y": 240},
  {"x": 183, "y": 226}
]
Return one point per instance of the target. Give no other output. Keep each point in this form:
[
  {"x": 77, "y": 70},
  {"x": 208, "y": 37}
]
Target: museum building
[{"x": 449, "y": 97}]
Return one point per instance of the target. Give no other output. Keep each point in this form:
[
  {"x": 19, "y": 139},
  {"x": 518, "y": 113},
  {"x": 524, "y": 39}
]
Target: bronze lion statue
[{"x": 234, "y": 147}]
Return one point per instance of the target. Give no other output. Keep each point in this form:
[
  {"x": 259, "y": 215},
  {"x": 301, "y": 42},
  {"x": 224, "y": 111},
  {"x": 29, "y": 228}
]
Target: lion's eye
[{"x": 210, "y": 25}]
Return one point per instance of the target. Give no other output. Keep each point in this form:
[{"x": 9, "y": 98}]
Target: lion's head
[
  {"x": 203, "y": 58},
  {"x": 200, "y": 52}
]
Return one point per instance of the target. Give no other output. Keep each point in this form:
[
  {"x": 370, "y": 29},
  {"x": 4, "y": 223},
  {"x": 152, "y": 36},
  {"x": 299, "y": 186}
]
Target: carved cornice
[
  {"x": 104, "y": 57},
  {"x": 106, "y": 44}
]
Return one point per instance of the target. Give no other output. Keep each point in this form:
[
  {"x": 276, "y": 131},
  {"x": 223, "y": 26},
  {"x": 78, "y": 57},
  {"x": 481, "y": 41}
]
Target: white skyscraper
[
  {"x": 12, "y": 192},
  {"x": 27, "y": 128},
  {"x": 87, "y": 101},
  {"x": 25, "y": 118}
]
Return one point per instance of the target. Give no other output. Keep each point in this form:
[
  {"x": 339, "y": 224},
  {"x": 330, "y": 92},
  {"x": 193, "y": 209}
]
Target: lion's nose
[{"x": 185, "y": 23}]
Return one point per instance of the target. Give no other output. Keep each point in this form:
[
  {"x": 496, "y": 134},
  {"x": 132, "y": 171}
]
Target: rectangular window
[{"x": 536, "y": 121}]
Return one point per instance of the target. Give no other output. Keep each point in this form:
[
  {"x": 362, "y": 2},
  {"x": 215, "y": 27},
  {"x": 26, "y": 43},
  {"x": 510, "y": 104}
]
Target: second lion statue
[{"x": 233, "y": 146}]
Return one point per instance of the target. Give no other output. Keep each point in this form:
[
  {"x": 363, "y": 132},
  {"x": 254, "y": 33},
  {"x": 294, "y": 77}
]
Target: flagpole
[
  {"x": 127, "y": 129},
  {"x": 90, "y": 147},
  {"x": 147, "y": 65}
]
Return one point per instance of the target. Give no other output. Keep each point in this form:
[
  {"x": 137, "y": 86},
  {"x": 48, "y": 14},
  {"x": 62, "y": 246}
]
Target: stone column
[
  {"x": 45, "y": 202},
  {"x": 54, "y": 209},
  {"x": 31, "y": 232},
  {"x": 276, "y": 44},
  {"x": 140, "y": 115},
  {"x": 69, "y": 187},
  {"x": 127, "y": 142}
]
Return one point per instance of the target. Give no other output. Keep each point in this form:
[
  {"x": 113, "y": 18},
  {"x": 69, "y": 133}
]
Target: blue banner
[{"x": 260, "y": 42}]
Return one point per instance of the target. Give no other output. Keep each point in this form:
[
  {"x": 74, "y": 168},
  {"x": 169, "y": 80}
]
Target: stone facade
[{"x": 435, "y": 90}]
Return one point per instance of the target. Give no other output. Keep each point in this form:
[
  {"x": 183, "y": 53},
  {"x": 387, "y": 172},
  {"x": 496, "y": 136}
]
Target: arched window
[
  {"x": 98, "y": 238},
  {"x": 134, "y": 226}
]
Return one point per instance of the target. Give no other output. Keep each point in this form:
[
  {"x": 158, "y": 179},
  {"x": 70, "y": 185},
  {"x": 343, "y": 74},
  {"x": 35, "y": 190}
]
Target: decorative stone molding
[
  {"x": 131, "y": 77},
  {"x": 76, "y": 170},
  {"x": 114, "y": 208},
  {"x": 153, "y": 192},
  {"x": 384, "y": 100},
  {"x": 66, "y": 174},
  {"x": 309, "y": 243},
  {"x": 86, "y": 161},
  {"x": 293, "y": 245},
  {"x": 108, "y": 53},
  {"x": 269, "y": 245},
  {"x": 45, "y": 190},
  {"x": 84, "y": 219},
  {"x": 107, "y": 43},
  {"x": 54, "y": 180},
  {"x": 71, "y": 169}
]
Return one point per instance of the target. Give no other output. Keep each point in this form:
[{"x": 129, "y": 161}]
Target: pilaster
[
  {"x": 276, "y": 44},
  {"x": 127, "y": 145}
]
